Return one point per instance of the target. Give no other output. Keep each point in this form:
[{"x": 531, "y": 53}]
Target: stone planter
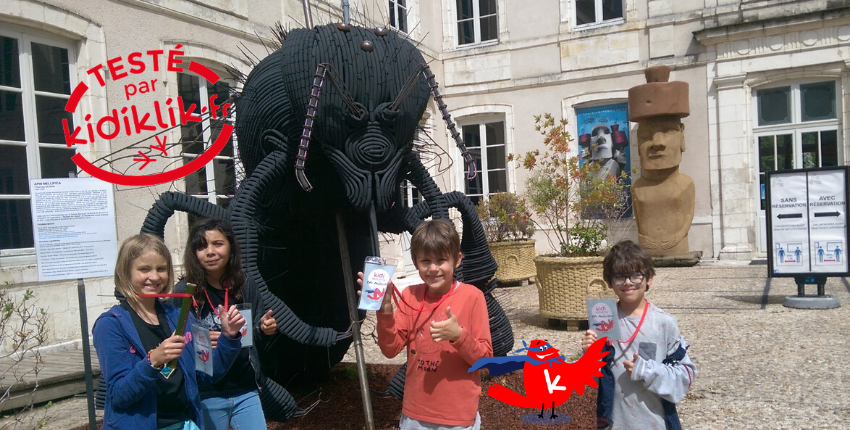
[
  {"x": 562, "y": 285},
  {"x": 515, "y": 259}
]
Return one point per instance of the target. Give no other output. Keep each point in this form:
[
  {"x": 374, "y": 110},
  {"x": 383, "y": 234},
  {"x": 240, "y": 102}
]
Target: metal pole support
[
  {"x": 350, "y": 292},
  {"x": 84, "y": 326}
]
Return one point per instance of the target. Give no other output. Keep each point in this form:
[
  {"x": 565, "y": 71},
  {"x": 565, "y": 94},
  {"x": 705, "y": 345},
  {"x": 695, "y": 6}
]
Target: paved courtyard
[{"x": 761, "y": 365}]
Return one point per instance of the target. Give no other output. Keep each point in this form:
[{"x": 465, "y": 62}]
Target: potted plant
[
  {"x": 574, "y": 206},
  {"x": 509, "y": 227}
]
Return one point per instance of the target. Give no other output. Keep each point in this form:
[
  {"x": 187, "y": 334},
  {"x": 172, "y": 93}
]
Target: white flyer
[{"x": 203, "y": 349}]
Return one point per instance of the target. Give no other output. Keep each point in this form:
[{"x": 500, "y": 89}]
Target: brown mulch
[{"x": 341, "y": 407}]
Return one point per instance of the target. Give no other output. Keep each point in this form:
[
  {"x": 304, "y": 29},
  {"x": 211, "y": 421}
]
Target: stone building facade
[{"x": 768, "y": 84}]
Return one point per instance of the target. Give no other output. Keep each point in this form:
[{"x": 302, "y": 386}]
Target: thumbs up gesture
[
  {"x": 630, "y": 364},
  {"x": 446, "y": 330}
]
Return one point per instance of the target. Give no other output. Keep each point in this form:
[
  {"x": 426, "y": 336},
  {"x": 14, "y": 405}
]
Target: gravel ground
[{"x": 761, "y": 365}]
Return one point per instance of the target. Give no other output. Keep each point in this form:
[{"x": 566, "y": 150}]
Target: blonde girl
[{"x": 135, "y": 340}]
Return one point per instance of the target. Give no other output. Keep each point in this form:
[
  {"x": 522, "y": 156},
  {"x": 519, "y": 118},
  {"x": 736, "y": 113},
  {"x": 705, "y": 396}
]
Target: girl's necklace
[{"x": 146, "y": 316}]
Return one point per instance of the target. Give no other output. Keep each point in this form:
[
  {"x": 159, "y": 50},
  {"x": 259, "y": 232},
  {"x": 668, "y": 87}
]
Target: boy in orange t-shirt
[{"x": 445, "y": 326}]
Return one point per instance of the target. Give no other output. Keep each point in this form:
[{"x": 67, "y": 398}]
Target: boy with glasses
[{"x": 650, "y": 369}]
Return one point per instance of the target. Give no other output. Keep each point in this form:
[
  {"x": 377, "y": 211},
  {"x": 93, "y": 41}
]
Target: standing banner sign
[
  {"x": 807, "y": 230},
  {"x": 74, "y": 228},
  {"x": 807, "y": 222}
]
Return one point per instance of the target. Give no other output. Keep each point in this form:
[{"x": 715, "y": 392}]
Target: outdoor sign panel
[
  {"x": 74, "y": 228},
  {"x": 807, "y": 222}
]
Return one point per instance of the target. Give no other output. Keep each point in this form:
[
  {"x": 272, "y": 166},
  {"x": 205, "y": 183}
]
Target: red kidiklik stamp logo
[{"x": 130, "y": 122}]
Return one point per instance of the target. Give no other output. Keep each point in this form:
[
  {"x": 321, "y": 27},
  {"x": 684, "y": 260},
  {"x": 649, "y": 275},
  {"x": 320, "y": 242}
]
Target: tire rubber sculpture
[{"x": 325, "y": 125}]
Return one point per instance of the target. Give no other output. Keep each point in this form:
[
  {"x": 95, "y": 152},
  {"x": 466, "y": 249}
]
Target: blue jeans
[{"x": 242, "y": 412}]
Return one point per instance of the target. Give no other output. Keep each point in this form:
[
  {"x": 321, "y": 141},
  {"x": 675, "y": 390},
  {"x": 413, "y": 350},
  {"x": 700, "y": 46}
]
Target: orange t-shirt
[{"x": 437, "y": 387}]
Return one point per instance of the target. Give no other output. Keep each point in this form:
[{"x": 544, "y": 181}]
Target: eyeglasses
[{"x": 619, "y": 280}]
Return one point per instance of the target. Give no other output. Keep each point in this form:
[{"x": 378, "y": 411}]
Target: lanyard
[
  {"x": 397, "y": 296},
  {"x": 637, "y": 329},
  {"x": 226, "y": 291}
]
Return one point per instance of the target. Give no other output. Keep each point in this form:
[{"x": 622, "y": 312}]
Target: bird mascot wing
[
  {"x": 571, "y": 376},
  {"x": 501, "y": 365},
  {"x": 580, "y": 374}
]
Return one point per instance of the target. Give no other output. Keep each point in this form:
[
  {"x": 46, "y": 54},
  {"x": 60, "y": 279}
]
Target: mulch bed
[
  {"x": 342, "y": 408},
  {"x": 340, "y": 405}
]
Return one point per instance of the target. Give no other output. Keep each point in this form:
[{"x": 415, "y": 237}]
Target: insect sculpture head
[{"x": 349, "y": 98}]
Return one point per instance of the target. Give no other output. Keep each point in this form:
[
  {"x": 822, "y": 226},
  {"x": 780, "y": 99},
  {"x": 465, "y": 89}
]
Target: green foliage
[
  {"x": 568, "y": 195},
  {"x": 504, "y": 217}
]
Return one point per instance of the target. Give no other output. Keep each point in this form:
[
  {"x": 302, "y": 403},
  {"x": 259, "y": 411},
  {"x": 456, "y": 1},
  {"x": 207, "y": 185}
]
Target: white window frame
[
  {"x": 598, "y": 14},
  {"x": 393, "y": 4},
  {"x": 206, "y": 135},
  {"x": 795, "y": 127},
  {"x": 481, "y": 122},
  {"x": 28, "y": 104},
  {"x": 476, "y": 25}
]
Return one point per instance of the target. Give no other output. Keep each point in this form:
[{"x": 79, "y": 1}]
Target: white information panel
[
  {"x": 790, "y": 222},
  {"x": 808, "y": 222},
  {"x": 827, "y": 221},
  {"x": 74, "y": 228}
]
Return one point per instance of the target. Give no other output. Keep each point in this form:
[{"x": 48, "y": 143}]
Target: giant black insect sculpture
[{"x": 326, "y": 125}]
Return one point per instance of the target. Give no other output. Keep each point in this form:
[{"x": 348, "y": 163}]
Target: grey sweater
[{"x": 637, "y": 399}]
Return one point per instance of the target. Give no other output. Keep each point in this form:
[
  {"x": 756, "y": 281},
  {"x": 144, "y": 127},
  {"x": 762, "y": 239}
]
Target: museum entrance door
[{"x": 796, "y": 149}]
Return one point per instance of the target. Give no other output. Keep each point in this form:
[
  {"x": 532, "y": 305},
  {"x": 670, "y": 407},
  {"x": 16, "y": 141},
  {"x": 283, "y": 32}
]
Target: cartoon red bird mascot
[{"x": 547, "y": 377}]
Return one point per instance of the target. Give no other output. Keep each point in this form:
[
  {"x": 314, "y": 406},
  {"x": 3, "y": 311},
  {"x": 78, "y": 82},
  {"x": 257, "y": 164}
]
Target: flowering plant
[
  {"x": 567, "y": 194},
  {"x": 504, "y": 218}
]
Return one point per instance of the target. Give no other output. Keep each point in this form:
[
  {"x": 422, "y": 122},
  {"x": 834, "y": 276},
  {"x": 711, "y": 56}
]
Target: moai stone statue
[{"x": 663, "y": 198}]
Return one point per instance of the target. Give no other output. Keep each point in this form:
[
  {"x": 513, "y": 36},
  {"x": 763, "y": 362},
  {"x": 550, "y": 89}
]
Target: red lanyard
[
  {"x": 637, "y": 329},
  {"x": 226, "y": 290},
  {"x": 397, "y": 296}
]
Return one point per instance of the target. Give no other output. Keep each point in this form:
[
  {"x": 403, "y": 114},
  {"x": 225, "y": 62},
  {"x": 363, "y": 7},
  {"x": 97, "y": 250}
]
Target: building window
[
  {"x": 410, "y": 195},
  {"x": 36, "y": 78},
  {"x": 476, "y": 21},
  {"x": 215, "y": 182},
  {"x": 598, "y": 11},
  {"x": 486, "y": 143},
  {"x": 398, "y": 15},
  {"x": 796, "y": 127}
]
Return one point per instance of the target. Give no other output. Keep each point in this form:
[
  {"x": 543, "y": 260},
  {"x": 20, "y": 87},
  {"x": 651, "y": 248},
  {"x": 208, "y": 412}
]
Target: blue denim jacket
[{"x": 131, "y": 381}]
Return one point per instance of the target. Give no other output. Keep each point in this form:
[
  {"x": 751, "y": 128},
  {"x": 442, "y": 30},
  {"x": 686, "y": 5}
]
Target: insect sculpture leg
[
  {"x": 169, "y": 202},
  {"x": 271, "y": 169}
]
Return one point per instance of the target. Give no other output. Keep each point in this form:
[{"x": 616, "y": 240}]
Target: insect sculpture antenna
[
  {"x": 315, "y": 92},
  {"x": 468, "y": 161},
  {"x": 407, "y": 87}
]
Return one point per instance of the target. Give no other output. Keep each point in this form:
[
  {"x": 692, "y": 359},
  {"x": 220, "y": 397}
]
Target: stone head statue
[
  {"x": 658, "y": 107},
  {"x": 663, "y": 197}
]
